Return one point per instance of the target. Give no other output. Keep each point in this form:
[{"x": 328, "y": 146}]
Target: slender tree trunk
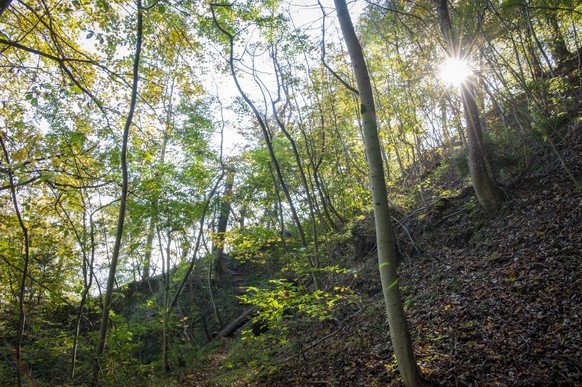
[
  {"x": 314, "y": 261},
  {"x": 88, "y": 282},
  {"x": 149, "y": 247},
  {"x": 166, "y": 303},
  {"x": 225, "y": 201},
  {"x": 122, "y": 205},
  {"x": 279, "y": 204},
  {"x": 196, "y": 247},
  {"x": 534, "y": 35},
  {"x": 268, "y": 142},
  {"x": 387, "y": 259},
  {"x": 154, "y": 205},
  {"x": 314, "y": 153},
  {"x": 215, "y": 310},
  {"x": 22, "y": 292},
  {"x": 448, "y": 141}
]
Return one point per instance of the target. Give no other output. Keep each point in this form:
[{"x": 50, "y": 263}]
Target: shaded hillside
[{"x": 490, "y": 301}]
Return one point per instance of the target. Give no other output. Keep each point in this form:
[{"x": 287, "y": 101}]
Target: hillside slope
[{"x": 490, "y": 301}]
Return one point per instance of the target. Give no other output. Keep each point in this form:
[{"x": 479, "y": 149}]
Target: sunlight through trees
[{"x": 170, "y": 170}]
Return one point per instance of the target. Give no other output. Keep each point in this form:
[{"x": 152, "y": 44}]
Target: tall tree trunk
[
  {"x": 166, "y": 301},
  {"x": 149, "y": 246},
  {"x": 87, "y": 282},
  {"x": 488, "y": 192},
  {"x": 122, "y": 205},
  {"x": 218, "y": 247},
  {"x": 314, "y": 261},
  {"x": 22, "y": 291},
  {"x": 279, "y": 207},
  {"x": 154, "y": 205},
  {"x": 387, "y": 259}
]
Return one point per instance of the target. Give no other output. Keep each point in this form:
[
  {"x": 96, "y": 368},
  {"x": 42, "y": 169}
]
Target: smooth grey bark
[
  {"x": 385, "y": 240},
  {"x": 122, "y": 204}
]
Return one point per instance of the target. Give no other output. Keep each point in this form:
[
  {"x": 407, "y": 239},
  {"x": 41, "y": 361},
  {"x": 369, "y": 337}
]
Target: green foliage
[
  {"x": 255, "y": 244},
  {"x": 65, "y": 91},
  {"x": 285, "y": 301},
  {"x": 122, "y": 363}
]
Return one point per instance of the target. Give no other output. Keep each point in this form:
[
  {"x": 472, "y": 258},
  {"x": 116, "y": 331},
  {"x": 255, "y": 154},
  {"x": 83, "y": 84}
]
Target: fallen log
[{"x": 237, "y": 323}]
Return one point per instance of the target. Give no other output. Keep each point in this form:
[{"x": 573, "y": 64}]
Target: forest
[{"x": 290, "y": 192}]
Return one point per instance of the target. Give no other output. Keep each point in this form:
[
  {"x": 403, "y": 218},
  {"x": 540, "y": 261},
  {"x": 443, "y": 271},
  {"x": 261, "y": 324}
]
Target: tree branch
[{"x": 336, "y": 75}]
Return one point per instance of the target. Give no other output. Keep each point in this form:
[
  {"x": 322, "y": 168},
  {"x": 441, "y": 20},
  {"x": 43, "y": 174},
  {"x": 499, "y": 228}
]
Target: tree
[
  {"x": 268, "y": 138},
  {"x": 387, "y": 260},
  {"x": 26, "y": 258},
  {"x": 122, "y": 204},
  {"x": 223, "y": 215},
  {"x": 488, "y": 192}
]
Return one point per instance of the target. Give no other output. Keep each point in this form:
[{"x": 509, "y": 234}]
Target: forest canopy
[{"x": 171, "y": 169}]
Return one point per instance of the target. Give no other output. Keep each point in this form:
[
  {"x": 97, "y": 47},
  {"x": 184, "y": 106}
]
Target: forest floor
[{"x": 489, "y": 301}]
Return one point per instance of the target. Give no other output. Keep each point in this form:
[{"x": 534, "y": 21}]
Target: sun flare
[{"x": 455, "y": 71}]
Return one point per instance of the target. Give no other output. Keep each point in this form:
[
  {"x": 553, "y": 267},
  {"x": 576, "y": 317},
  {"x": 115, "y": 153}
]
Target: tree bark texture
[
  {"x": 387, "y": 259},
  {"x": 488, "y": 192}
]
